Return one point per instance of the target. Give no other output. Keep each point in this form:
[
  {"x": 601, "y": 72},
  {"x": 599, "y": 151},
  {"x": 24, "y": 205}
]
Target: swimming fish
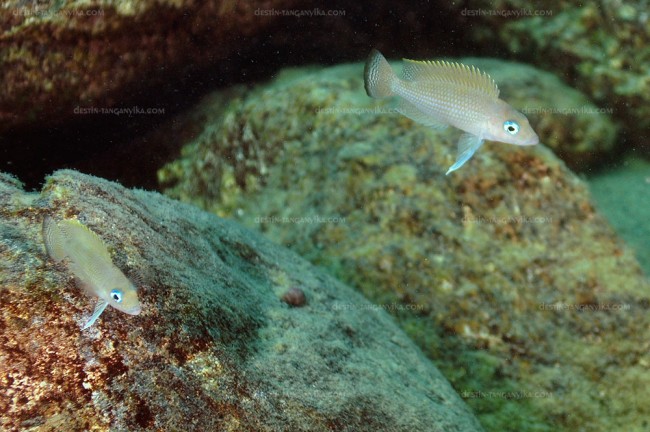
[
  {"x": 89, "y": 261},
  {"x": 440, "y": 93}
]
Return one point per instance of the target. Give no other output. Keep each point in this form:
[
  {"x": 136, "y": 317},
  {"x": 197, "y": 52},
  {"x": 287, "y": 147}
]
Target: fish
[
  {"x": 86, "y": 256},
  {"x": 439, "y": 94}
]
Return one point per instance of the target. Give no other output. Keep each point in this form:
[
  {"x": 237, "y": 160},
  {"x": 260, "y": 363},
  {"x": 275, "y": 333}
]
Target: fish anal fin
[
  {"x": 409, "y": 110},
  {"x": 87, "y": 288},
  {"x": 467, "y": 146}
]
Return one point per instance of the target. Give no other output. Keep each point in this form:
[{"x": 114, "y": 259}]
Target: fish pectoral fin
[
  {"x": 99, "y": 308},
  {"x": 467, "y": 146},
  {"x": 409, "y": 110}
]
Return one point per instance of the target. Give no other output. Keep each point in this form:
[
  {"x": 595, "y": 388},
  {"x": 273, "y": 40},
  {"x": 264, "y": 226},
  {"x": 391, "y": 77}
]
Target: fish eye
[
  {"x": 511, "y": 126},
  {"x": 116, "y": 295}
]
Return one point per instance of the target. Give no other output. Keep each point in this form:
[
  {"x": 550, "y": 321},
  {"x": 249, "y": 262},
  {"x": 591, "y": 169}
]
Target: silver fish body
[{"x": 441, "y": 94}]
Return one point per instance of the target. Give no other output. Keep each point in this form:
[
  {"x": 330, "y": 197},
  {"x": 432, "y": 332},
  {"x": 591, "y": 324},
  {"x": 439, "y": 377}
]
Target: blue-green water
[{"x": 622, "y": 194}]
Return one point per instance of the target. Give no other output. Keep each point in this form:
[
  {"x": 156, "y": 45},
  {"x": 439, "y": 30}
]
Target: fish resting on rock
[{"x": 87, "y": 258}]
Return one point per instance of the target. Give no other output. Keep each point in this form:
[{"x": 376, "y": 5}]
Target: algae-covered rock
[
  {"x": 69, "y": 58},
  {"x": 502, "y": 272},
  {"x": 215, "y": 348}
]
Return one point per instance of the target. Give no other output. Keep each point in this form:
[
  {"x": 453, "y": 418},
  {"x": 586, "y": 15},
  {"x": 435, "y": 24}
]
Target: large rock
[
  {"x": 215, "y": 348},
  {"x": 64, "y": 59},
  {"x": 503, "y": 272},
  {"x": 68, "y": 58}
]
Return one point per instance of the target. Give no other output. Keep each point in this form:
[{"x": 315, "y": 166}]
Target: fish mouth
[
  {"x": 534, "y": 140},
  {"x": 135, "y": 310}
]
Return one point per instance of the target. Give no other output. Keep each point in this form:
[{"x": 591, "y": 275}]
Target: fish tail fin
[
  {"x": 53, "y": 239},
  {"x": 379, "y": 78}
]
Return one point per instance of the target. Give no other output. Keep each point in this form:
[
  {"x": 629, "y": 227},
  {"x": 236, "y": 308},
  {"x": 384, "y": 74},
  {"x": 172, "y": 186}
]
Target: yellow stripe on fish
[
  {"x": 88, "y": 260},
  {"x": 440, "y": 94}
]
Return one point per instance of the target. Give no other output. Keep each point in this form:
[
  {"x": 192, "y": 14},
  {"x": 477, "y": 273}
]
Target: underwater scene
[{"x": 289, "y": 215}]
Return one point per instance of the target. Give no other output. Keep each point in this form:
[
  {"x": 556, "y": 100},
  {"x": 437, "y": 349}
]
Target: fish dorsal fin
[
  {"x": 76, "y": 233},
  {"x": 449, "y": 72}
]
